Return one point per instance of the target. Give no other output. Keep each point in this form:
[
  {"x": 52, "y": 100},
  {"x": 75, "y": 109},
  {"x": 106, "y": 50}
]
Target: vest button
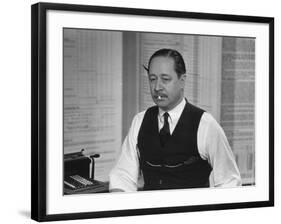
[{"x": 160, "y": 181}]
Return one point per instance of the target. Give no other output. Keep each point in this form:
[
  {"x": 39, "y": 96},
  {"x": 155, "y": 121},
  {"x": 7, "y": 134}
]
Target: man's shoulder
[
  {"x": 195, "y": 108},
  {"x": 206, "y": 116},
  {"x": 208, "y": 121},
  {"x": 140, "y": 115}
]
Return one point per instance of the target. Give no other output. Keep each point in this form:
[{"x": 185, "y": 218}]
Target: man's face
[{"x": 165, "y": 86}]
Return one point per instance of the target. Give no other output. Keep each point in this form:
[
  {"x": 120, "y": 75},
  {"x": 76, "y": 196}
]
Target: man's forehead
[{"x": 162, "y": 64}]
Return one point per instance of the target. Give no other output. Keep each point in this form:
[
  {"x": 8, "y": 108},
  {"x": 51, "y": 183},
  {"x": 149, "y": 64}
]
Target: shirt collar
[{"x": 176, "y": 112}]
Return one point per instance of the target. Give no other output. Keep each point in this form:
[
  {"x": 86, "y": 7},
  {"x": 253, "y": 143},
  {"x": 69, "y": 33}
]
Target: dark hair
[{"x": 175, "y": 55}]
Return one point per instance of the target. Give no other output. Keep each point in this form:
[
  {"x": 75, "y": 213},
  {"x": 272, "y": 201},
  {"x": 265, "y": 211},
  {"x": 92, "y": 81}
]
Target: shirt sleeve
[
  {"x": 124, "y": 175},
  {"x": 214, "y": 147}
]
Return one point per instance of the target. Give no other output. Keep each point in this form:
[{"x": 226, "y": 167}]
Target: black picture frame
[{"x": 39, "y": 109}]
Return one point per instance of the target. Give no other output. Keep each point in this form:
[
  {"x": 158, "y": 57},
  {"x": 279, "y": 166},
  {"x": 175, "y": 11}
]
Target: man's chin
[{"x": 162, "y": 104}]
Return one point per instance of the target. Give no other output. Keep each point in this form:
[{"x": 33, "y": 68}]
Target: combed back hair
[{"x": 179, "y": 64}]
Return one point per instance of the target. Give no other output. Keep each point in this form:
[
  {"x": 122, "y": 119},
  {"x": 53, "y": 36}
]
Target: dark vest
[{"x": 178, "y": 164}]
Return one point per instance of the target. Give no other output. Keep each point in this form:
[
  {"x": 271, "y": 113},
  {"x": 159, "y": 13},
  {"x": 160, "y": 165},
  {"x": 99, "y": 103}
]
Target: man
[{"x": 174, "y": 144}]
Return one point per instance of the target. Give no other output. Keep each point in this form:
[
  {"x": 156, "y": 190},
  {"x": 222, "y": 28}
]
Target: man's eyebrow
[{"x": 164, "y": 74}]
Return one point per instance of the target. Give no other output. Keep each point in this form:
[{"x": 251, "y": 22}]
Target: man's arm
[
  {"x": 213, "y": 146},
  {"x": 124, "y": 175}
]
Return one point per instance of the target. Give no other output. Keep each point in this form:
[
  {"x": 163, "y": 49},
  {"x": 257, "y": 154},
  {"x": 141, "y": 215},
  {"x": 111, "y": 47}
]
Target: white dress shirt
[{"x": 211, "y": 142}]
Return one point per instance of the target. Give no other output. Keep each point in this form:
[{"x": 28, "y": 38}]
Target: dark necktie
[{"x": 165, "y": 130}]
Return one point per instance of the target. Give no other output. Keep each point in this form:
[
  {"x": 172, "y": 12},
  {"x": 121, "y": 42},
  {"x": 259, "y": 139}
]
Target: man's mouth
[{"x": 160, "y": 97}]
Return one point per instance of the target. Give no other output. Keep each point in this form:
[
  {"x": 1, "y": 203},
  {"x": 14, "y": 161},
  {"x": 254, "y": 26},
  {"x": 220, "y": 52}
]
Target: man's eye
[
  {"x": 152, "y": 79},
  {"x": 166, "y": 79}
]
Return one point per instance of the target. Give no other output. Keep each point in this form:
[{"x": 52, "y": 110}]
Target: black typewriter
[{"x": 79, "y": 174}]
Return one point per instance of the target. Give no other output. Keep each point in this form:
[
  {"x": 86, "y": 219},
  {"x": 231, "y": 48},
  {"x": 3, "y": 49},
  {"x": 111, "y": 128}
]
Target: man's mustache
[{"x": 159, "y": 95}]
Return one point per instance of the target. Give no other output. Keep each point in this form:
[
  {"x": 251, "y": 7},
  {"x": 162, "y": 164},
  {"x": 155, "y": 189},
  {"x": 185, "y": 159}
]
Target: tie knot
[{"x": 166, "y": 116}]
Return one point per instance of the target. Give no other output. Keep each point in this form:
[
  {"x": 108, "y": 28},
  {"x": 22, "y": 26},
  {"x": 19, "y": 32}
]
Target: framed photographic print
[{"x": 139, "y": 111}]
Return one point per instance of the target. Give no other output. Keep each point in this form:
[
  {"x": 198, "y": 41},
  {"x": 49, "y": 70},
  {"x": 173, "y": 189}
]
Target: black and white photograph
[
  {"x": 141, "y": 112},
  {"x": 157, "y": 111}
]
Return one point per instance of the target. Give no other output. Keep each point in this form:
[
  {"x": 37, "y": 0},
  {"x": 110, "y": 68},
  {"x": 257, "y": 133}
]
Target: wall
[{"x": 15, "y": 111}]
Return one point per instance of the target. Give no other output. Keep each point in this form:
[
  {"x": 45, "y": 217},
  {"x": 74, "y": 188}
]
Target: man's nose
[{"x": 158, "y": 85}]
